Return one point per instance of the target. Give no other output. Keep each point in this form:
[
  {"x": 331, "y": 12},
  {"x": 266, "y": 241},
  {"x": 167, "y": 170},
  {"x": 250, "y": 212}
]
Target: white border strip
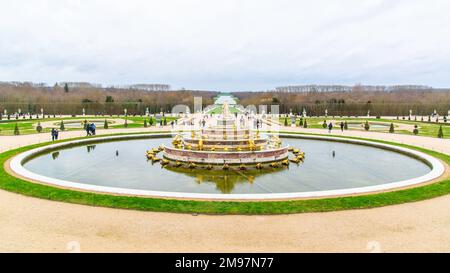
[{"x": 437, "y": 170}]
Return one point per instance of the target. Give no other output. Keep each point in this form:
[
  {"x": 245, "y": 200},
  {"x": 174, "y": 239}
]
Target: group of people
[
  {"x": 55, "y": 134},
  {"x": 90, "y": 129},
  {"x": 330, "y": 126}
]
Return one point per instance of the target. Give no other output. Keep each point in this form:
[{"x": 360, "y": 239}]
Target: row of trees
[
  {"x": 422, "y": 102},
  {"x": 108, "y": 101},
  {"x": 96, "y": 100}
]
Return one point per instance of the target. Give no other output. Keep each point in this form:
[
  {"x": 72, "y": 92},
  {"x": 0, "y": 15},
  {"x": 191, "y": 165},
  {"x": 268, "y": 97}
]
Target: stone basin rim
[{"x": 16, "y": 165}]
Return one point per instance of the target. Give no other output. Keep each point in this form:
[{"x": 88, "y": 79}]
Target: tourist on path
[
  {"x": 56, "y": 134},
  {"x": 342, "y": 126},
  {"x": 330, "y": 127},
  {"x": 53, "y": 133},
  {"x": 88, "y": 129},
  {"x": 93, "y": 128}
]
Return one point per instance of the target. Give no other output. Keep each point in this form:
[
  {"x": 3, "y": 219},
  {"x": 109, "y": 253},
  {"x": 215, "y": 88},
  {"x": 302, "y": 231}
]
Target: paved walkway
[{"x": 31, "y": 224}]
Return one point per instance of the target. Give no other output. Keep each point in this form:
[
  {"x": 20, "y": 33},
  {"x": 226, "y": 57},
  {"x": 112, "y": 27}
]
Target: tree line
[
  {"x": 395, "y": 103},
  {"x": 108, "y": 101},
  {"x": 111, "y": 101}
]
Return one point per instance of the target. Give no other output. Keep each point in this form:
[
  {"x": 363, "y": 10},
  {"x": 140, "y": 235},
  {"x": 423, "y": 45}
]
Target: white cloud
[{"x": 226, "y": 45}]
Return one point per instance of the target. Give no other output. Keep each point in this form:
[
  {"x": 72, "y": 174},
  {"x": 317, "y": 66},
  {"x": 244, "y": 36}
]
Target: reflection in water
[
  {"x": 55, "y": 155},
  {"x": 90, "y": 148},
  {"x": 353, "y": 166},
  {"x": 225, "y": 181}
]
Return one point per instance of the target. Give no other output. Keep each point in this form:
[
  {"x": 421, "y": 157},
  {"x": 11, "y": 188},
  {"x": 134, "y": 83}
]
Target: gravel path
[{"x": 30, "y": 224}]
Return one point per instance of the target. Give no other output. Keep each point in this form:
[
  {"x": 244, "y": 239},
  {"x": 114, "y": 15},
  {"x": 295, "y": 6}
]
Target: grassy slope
[
  {"x": 425, "y": 128},
  {"x": 26, "y": 125},
  {"x": 14, "y": 184}
]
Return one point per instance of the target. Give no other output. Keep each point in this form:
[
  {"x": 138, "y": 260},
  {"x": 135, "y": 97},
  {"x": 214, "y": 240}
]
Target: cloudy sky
[{"x": 226, "y": 45}]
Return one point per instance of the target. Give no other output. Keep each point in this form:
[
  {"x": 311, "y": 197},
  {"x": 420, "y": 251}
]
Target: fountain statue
[
  {"x": 225, "y": 110},
  {"x": 224, "y": 145}
]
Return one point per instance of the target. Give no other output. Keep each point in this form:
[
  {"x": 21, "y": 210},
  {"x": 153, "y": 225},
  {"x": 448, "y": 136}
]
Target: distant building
[
  {"x": 229, "y": 99},
  {"x": 80, "y": 85},
  {"x": 314, "y": 88},
  {"x": 145, "y": 87},
  {"x": 347, "y": 88}
]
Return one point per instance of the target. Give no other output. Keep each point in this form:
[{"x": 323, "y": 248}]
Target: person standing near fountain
[
  {"x": 93, "y": 127},
  {"x": 53, "y": 133}
]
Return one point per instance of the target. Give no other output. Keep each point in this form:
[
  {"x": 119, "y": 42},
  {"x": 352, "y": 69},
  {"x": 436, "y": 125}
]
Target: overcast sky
[{"x": 226, "y": 45}]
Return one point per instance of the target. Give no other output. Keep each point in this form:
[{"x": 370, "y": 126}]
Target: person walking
[
  {"x": 88, "y": 129},
  {"x": 56, "y": 134},
  {"x": 342, "y": 126},
  {"x": 93, "y": 128},
  {"x": 53, "y": 133},
  {"x": 330, "y": 127}
]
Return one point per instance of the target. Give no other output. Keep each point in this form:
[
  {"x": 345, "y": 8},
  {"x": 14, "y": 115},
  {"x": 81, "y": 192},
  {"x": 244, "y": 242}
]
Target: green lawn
[
  {"x": 14, "y": 184},
  {"x": 26, "y": 125},
  {"x": 218, "y": 110},
  {"x": 425, "y": 128}
]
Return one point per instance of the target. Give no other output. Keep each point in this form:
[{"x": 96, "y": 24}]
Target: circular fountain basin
[
  {"x": 357, "y": 167},
  {"x": 242, "y": 157}
]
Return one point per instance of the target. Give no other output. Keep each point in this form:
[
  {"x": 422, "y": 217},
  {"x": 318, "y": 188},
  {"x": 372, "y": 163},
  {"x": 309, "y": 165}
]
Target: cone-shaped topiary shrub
[
  {"x": 324, "y": 124},
  {"x": 285, "y": 121},
  {"x": 416, "y": 130},
  {"x": 440, "y": 132},
  {"x": 16, "y": 130},
  {"x": 366, "y": 126},
  {"x": 391, "y": 129},
  {"x": 105, "y": 125},
  {"x": 145, "y": 123},
  {"x": 305, "y": 124},
  {"x": 61, "y": 126},
  {"x": 39, "y": 127}
]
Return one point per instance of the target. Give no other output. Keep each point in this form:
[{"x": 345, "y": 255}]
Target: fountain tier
[{"x": 226, "y": 143}]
